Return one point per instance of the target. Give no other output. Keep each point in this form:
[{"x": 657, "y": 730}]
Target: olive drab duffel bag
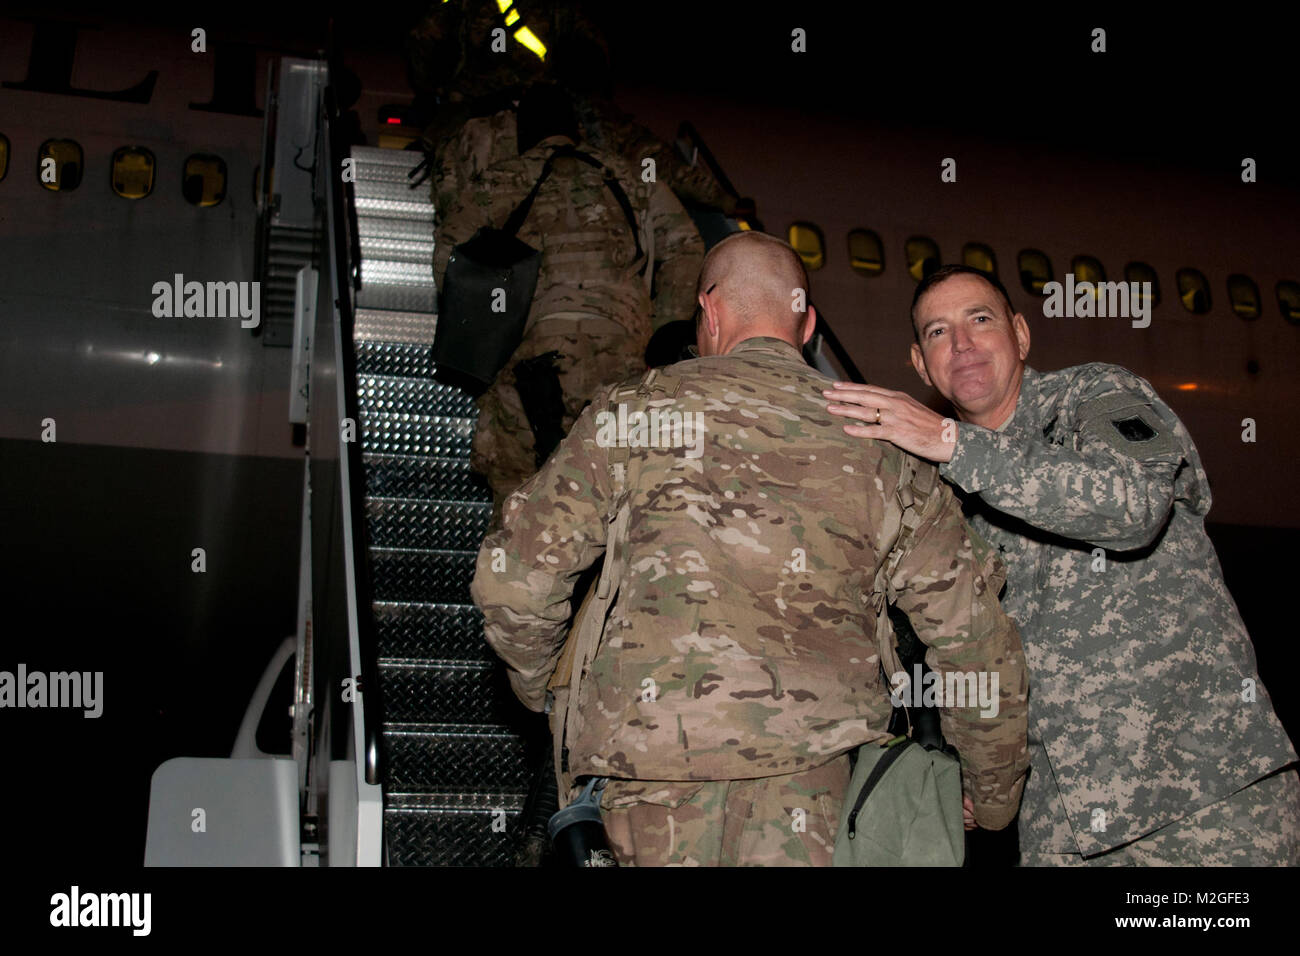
[
  {"x": 488, "y": 288},
  {"x": 904, "y": 802},
  {"x": 903, "y": 808}
]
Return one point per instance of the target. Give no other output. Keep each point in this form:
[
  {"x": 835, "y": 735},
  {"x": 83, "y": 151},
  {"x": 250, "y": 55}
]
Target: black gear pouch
[{"x": 489, "y": 285}]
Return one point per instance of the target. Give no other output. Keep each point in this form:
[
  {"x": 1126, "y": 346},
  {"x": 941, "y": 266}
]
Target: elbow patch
[{"x": 1127, "y": 422}]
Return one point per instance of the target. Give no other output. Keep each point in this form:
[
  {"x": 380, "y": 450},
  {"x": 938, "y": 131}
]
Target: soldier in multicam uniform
[
  {"x": 592, "y": 303},
  {"x": 738, "y": 665},
  {"x": 581, "y": 66},
  {"x": 577, "y": 63},
  {"x": 1152, "y": 739},
  {"x": 457, "y": 63}
]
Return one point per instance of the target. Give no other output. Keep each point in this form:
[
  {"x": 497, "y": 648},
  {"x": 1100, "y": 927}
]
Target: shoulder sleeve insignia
[
  {"x": 1128, "y": 423},
  {"x": 1134, "y": 429}
]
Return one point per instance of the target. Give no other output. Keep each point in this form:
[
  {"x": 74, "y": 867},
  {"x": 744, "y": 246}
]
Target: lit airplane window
[
  {"x": 922, "y": 256},
  {"x": 1087, "y": 269},
  {"x": 979, "y": 256},
  {"x": 1288, "y": 300},
  {"x": 1035, "y": 270},
  {"x": 132, "y": 172},
  {"x": 866, "y": 252},
  {"x": 204, "y": 180},
  {"x": 1193, "y": 290},
  {"x": 808, "y": 242},
  {"x": 1243, "y": 294},
  {"x": 67, "y": 167},
  {"x": 1140, "y": 272}
]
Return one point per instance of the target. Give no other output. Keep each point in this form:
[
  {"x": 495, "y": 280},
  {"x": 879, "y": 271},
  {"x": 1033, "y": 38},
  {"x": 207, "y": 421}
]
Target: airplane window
[
  {"x": 1035, "y": 270},
  {"x": 866, "y": 252},
  {"x": 1194, "y": 291},
  {"x": 4, "y": 155},
  {"x": 204, "y": 180},
  {"x": 1244, "y": 296},
  {"x": 1288, "y": 300},
  {"x": 1140, "y": 272},
  {"x": 1087, "y": 269},
  {"x": 133, "y": 169},
  {"x": 979, "y": 256},
  {"x": 922, "y": 256},
  {"x": 808, "y": 242},
  {"x": 65, "y": 173}
]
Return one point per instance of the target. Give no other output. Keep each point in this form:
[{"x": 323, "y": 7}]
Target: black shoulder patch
[
  {"x": 1134, "y": 429},
  {"x": 1129, "y": 423}
]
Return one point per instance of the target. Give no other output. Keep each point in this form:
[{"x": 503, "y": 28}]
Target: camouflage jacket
[
  {"x": 1145, "y": 703},
  {"x": 483, "y": 141},
  {"x": 452, "y": 48},
  {"x": 609, "y": 128},
  {"x": 589, "y": 262},
  {"x": 741, "y": 639},
  {"x": 470, "y": 150}
]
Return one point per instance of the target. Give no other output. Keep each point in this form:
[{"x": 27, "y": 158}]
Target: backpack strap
[
  {"x": 617, "y": 517},
  {"x": 516, "y": 220}
]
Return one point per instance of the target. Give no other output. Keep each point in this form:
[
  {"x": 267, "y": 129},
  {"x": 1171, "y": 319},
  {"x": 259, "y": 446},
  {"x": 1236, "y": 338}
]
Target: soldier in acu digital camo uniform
[
  {"x": 592, "y": 306},
  {"x": 738, "y": 665},
  {"x": 1152, "y": 740}
]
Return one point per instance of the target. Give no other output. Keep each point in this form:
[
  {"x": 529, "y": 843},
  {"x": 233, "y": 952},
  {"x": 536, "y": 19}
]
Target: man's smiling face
[{"x": 972, "y": 348}]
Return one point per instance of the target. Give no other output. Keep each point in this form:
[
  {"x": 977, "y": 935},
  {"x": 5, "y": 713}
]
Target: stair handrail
[{"x": 341, "y": 215}]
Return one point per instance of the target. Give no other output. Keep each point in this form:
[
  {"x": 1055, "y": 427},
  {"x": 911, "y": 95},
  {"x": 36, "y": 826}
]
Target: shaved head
[{"x": 756, "y": 275}]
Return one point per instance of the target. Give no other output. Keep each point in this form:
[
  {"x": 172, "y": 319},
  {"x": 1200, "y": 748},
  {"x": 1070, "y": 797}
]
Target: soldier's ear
[
  {"x": 809, "y": 324},
  {"x": 710, "y": 315},
  {"x": 1021, "y": 328},
  {"x": 918, "y": 363}
]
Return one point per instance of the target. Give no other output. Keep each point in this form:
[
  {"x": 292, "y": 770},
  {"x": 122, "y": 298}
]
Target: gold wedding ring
[{"x": 877, "y": 416}]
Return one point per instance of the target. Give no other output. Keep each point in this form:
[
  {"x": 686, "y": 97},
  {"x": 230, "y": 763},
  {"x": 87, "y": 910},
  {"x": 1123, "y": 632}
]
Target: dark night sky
[{"x": 1201, "y": 89}]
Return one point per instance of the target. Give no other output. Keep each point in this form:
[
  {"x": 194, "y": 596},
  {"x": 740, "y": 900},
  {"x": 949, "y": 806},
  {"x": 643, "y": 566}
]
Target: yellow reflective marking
[{"x": 528, "y": 38}]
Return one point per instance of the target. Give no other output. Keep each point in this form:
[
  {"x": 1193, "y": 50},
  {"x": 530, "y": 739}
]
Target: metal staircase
[{"x": 456, "y": 763}]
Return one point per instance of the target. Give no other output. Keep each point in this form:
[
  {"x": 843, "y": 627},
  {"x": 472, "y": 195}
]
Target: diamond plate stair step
[
  {"x": 468, "y": 693},
  {"x": 391, "y": 394},
  {"x": 439, "y": 436},
  {"x": 437, "y": 577},
  {"x": 441, "y": 757},
  {"x": 415, "y": 631},
  {"x": 382, "y": 325},
  {"x": 399, "y": 230},
  {"x": 401, "y": 286},
  {"x": 403, "y": 247},
  {"x": 415, "y": 476},
  {"x": 377, "y": 156},
  {"x": 376, "y": 184},
  {"x": 414, "y": 359},
  {"x": 427, "y": 525},
  {"x": 409, "y": 207},
  {"x": 451, "y": 829}
]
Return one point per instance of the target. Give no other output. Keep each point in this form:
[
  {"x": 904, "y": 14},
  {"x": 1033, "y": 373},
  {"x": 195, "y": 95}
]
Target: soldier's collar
[{"x": 765, "y": 343}]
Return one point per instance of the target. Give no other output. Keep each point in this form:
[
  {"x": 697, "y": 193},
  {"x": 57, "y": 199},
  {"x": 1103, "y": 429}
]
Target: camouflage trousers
[
  {"x": 503, "y": 450},
  {"x": 1258, "y": 825},
  {"x": 787, "y": 820}
]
